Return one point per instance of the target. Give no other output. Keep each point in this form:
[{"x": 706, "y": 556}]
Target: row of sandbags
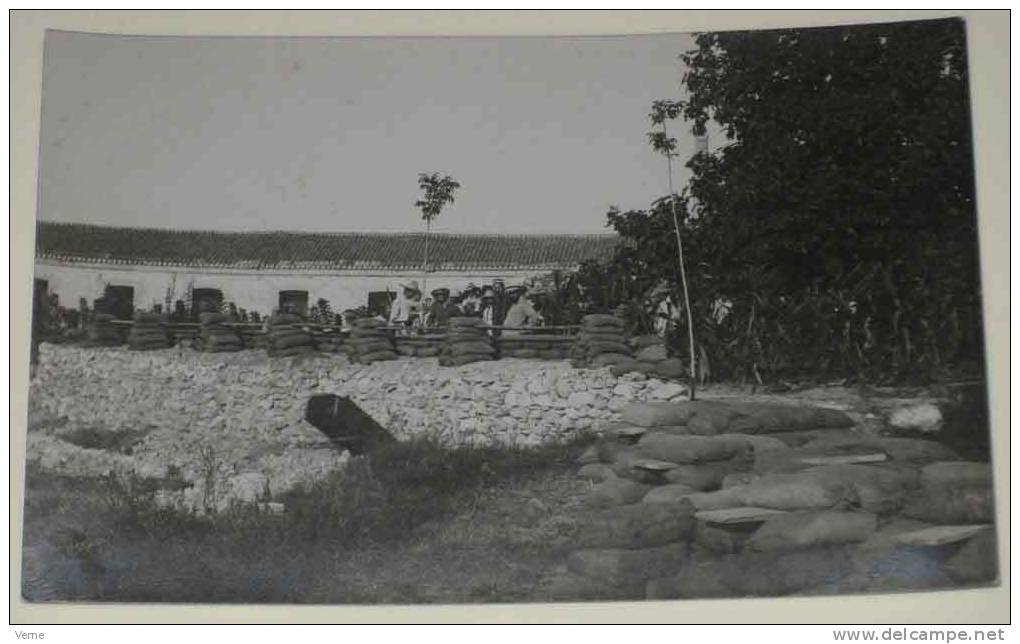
[
  {"x": 823, "y": 510},
  {"x": 148, "y": 332},
  {"x": 102, "y": 332},
  {"x": 467, "y": 341},
  {"x": 650, "y": 358},
  {"x": 601, "y": 342},
  {"x": 707, "y": 417},
  {"x": 370, "y": 342},
  {"x": 423, "y": 346},
  {"x": 287, "y": 336},
  {"x": 534, "y": 347},
  {"x": 214, "y": 336}
]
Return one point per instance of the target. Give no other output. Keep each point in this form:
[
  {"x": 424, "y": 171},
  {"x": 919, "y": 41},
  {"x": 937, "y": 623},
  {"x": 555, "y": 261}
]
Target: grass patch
[{"x": 412, "y": 523}]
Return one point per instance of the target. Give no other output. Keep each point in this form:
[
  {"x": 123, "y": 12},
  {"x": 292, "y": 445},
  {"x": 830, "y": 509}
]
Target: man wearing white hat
[{"x": 406, "y": 308}]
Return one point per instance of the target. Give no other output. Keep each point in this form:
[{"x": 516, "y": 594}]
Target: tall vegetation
[
  {"x": 437, "y": 191},
  {"x": 834, "y": 231}
]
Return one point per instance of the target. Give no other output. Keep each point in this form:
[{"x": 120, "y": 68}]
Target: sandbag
[
  {"x": 653, "y": 414},
  {"x": 286, "y": 342},
  {"x": 758, "y": 574},
  {"x": 705, "y": 476},
  {"x": 457, "y": 361},
  {"x": 670, "y": 493},
  {"x": 620, "y": 566},
  {"x": 611, "y": 359},
  {"x": 909, "y": 450},
  {"x": 947, "y": 506},
  {"x": 670, "y": 368},
  {"x": 654, "y": 353},
  {"x": 780, "y": 493},
  {"x": 600, "y": 347},
  {"x": 956, "y": 474},
  {"x": 211, "y": 317},
  {"x": 285, "y": 318},
  {"x": 802, "y": 530},
  {"x": 427, "y": 351},
  {"x": 690, "y": 449},
  {"x": 372, "y": 346},
  {"x": 802, "y": 437},
  {"x": 377, "y": 356},
  {"x": 291, "y": 351},
  {"x": 615, "y": 491},
  {"x": 471, "y": 348},
  {"x": 640, "y": 525},
  {"x": 524, "y": 353},
  {"x": 721, "y": 540}
]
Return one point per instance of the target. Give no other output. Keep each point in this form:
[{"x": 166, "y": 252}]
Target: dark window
[
  {"x": 205, "y": 300},
  {"x": 379, "y": 302},
  {"x": 294, "y": 302},
  {"x": 118, "y": 301}
]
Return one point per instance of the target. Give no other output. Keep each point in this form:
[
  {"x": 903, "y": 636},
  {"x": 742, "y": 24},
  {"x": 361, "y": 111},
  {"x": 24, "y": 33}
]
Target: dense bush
[{"x": 837, "y": 221}]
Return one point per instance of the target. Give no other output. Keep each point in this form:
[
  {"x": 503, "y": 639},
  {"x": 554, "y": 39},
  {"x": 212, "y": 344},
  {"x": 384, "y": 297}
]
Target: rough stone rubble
[{"x": 240, "y": 415}]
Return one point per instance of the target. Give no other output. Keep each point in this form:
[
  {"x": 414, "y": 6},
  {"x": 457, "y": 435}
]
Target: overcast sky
[{"x": 544, "y": 134}]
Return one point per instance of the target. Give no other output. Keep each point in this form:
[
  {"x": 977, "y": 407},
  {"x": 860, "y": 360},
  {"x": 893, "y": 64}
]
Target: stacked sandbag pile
[
  {"x": 148, "y": 332},
  {"x": 543, "y": 347},
  {"x": 370, "y": 342},
  {"x": 652, "y": 359},
  {"x": 467, "y": 340},
  {"x": 425, "y": 345},
  {"x": 329, "y": 341},
  {"x": 102, "y": 332},
  {"x": 214, "y": 336},
  {"x": 839, "y": 512},
  {"x": 601, "y": 342},
  {"x": 287, "y": 336}
]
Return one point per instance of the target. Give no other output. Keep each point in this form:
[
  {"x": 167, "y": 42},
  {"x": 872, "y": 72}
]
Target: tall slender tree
[
  {"x": 437, "y": 191},
  {"x": 663, "y": 111}
]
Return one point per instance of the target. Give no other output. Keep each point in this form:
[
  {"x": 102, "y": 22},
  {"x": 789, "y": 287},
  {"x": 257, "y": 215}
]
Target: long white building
[{"x": 259, "y": 271}]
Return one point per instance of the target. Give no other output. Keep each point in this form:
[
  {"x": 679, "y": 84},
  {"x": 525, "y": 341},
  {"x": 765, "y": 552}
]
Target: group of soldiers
[{"x": 495, "y": 304}]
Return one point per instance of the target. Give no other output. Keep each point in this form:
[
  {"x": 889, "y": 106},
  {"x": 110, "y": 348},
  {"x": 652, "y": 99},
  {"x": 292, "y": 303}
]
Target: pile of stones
[
  {"x": 102, "y": 332},
  {"x": 148, "y": 332},
  {"x": 601, "y": 342},
  {"x": 467, "y": 341},
  {"x": 287, "y": 336},
  {"x": 724, "y": 499},
  {"x": 214, "y": 336},
  {"x": 544, "y": 347},
  {"x": 370, "y": 342}
]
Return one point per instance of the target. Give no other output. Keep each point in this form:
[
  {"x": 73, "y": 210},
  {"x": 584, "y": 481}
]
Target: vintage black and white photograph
[{"x": 462, "y": 320}]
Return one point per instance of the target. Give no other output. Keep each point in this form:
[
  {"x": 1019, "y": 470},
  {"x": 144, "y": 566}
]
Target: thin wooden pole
[{"x": 680, "y": 256}]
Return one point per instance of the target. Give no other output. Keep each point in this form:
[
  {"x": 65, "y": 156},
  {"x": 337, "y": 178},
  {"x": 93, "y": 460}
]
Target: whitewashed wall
[{"x": 251, "y": 290}]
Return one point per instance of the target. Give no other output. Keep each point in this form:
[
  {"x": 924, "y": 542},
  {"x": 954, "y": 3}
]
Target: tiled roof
[{"x": 73, "y": 243}]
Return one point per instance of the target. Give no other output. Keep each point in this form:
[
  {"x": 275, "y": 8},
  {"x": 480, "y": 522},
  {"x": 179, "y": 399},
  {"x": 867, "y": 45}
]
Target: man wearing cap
[
  {"x": 441, "y": 309},
  {"x": 407, "y": 307}
]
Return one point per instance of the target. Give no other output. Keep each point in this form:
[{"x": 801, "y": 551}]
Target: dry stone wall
[{"x": 241, "y": 414}]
